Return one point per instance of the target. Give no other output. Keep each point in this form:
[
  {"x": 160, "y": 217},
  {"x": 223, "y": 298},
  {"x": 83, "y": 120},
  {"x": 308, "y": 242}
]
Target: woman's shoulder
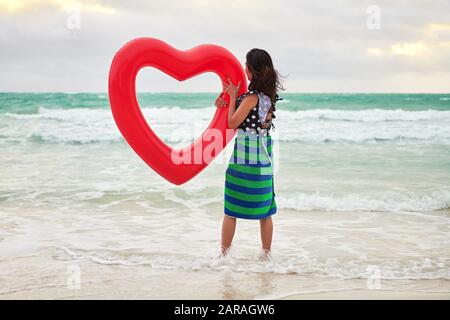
[
  {"x": 254, "y": 94},
  {"x": 251, "y": 98},
  {"x": 251, "y": 94}
]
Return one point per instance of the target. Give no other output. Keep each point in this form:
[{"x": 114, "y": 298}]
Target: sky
[{"x": 317, "y": 46}]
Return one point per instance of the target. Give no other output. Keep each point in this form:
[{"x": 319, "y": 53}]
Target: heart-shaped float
[{"x": 181, "y": 65}]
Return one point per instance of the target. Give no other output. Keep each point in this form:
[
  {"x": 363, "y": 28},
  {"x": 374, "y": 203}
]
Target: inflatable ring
[{"x": 181, "y": 65}]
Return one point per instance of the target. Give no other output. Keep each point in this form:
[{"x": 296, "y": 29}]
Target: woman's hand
[
  {"x": 231, "y": 89},
  {"x": 220, "y": 102}
]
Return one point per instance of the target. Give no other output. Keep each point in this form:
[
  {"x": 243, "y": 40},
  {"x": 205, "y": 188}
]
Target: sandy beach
[
  {"x": 371, "y": 295},
  {"x": 49, "y": 275}
]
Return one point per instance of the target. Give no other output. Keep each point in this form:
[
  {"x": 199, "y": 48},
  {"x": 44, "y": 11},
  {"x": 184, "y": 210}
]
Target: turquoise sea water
[
  {"x": 350, "y": 168},
  {"x": 27, "y": 103}
]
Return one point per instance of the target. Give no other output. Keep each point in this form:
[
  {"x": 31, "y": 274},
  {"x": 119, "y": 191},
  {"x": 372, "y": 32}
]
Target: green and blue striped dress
[{"x": 249, "y": 186}]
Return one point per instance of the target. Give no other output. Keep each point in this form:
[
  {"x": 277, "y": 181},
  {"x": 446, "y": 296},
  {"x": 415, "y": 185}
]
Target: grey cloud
[{"x": 321, "y": 45}]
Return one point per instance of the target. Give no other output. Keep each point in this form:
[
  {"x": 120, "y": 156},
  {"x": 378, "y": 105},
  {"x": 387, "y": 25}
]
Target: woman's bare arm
[{"x": 236, "y": 117}]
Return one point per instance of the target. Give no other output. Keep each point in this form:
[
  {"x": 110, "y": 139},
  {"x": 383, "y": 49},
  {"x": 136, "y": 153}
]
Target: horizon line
[{"x": 214, "y": 92}]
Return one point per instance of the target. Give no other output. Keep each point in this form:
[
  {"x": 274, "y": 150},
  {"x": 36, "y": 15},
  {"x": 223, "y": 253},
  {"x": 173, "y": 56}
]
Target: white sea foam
[
  {"x": 365, "y": 126},
  {"x": 177, "y": 125},
  {"x": 393, "y": 269},
  {"x": 369, "y": 115},
  {"x": 388, "y": 201}
]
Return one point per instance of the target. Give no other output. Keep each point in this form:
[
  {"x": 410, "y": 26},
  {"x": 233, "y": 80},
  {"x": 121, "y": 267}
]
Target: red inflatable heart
[{"x": 181, "y": 65}]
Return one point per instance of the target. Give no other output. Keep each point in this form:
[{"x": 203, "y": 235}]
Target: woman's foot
[
  {"x": 265, "y": 255},
  {"x": 224, "y": 251}
]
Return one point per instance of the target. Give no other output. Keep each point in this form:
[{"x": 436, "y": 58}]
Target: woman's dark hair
[{"x": 264, "y": 76}]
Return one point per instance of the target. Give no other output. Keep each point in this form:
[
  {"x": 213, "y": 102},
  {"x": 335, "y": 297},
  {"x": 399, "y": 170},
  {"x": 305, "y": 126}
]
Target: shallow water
[{"x": 362, "y": 188}]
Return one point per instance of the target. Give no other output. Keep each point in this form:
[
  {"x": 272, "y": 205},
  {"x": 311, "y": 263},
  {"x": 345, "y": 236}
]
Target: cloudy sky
[{"x": 320, "y": 46}]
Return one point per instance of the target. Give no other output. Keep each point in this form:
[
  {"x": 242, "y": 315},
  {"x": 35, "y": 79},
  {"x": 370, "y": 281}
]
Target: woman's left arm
[{"x": 235, "y": 118}]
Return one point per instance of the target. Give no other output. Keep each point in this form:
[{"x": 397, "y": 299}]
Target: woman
[{"x": 249, "y": 188}]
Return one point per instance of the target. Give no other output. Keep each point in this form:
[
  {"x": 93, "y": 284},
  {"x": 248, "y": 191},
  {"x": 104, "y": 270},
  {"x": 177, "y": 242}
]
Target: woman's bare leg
[
  {"x": 266, "y": 233},
  {"x": 228, "y": 229}
]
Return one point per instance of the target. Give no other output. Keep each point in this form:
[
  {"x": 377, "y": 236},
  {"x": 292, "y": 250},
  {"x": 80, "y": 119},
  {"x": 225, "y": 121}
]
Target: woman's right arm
[{"x": 220, "y": 102}]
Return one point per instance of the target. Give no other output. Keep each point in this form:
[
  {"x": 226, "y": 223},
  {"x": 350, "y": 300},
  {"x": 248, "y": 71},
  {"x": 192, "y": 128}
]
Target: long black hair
[{"x": 264, "y": 76}]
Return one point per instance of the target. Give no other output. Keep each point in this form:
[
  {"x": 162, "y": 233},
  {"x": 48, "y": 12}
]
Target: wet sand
[
  {"x": 49, "y": 275},
  {"x": 371, "y": 295}
]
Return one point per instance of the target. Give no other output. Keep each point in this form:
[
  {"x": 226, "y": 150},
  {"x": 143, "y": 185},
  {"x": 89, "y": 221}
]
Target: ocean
[{"x": 362, "y": 185}]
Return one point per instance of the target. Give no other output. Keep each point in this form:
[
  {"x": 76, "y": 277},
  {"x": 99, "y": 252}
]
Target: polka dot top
[{"x": 256, "y": 121}]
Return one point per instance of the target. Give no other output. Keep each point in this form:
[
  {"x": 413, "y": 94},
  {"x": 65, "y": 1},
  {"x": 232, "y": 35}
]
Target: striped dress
[{"x": 249, "y": 188}]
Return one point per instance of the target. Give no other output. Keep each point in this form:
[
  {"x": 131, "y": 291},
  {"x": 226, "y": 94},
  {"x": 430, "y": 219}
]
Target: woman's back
[{"x": 259, "y": 119}]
